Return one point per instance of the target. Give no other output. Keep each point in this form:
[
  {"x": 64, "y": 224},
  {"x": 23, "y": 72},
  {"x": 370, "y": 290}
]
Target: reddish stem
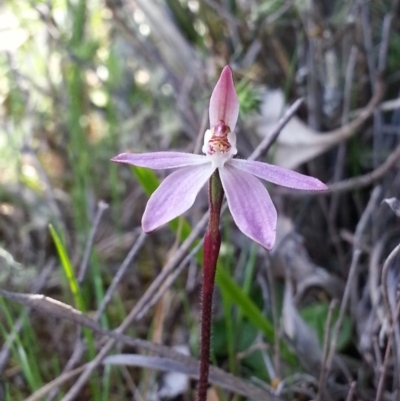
[{"x": 212, "y": 243}]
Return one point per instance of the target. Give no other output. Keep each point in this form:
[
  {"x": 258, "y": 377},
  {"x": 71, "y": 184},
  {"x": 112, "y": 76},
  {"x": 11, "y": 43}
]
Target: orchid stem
[{"x": 212, "y": 243}]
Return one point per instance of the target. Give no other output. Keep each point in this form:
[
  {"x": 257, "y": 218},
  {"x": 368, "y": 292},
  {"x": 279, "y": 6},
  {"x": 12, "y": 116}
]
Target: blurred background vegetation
[{"x": 83, "y": 80}]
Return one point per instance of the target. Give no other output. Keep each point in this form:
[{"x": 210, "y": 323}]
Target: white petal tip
[
  {"x": 268, "y": 244},
  {"x": 148, "y": 228},
  {"x": 118, "y": 158},
  {"x": 268, "y": 247},
  {"x": 150, "y": 222},
  {"x": 320, "y": 186}
]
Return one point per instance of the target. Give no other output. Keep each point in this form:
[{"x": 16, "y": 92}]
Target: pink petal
[
  {"x": 175, "y": 195},
  {"x": 278, "y": 175},
  {"x": 250, "y": 205},
  {"x": 224, "y": 103},
  {"x": 160, "y": 160}
]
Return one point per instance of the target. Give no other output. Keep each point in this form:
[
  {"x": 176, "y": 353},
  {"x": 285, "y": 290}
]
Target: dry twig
[
  {"x": 361, "y": 226},
  {"x": 58, "y": 309}
]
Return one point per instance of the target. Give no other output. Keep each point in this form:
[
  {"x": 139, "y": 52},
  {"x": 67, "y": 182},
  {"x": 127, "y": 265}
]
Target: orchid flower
[{"x": 248, "y": 200}]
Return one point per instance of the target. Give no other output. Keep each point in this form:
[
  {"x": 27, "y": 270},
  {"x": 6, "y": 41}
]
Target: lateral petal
[
  {"x": 278, "y": 175},
  {"x": 160, "y": 160},
  {"x": 250, "y": 204},
  {"x": 175, "y": 195},
  {"x": 224, "y": 103}
]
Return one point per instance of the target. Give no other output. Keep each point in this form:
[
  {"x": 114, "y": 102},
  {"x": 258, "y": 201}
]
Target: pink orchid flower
[{"x": 248, "y": 200}]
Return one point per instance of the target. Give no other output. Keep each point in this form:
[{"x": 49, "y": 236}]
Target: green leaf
[
  {"x": 246, "y": 336},
  {"x": 249, "y": 309},
  {"x": 316, "y": 315},
  {"x": 68, "y": 270}
]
